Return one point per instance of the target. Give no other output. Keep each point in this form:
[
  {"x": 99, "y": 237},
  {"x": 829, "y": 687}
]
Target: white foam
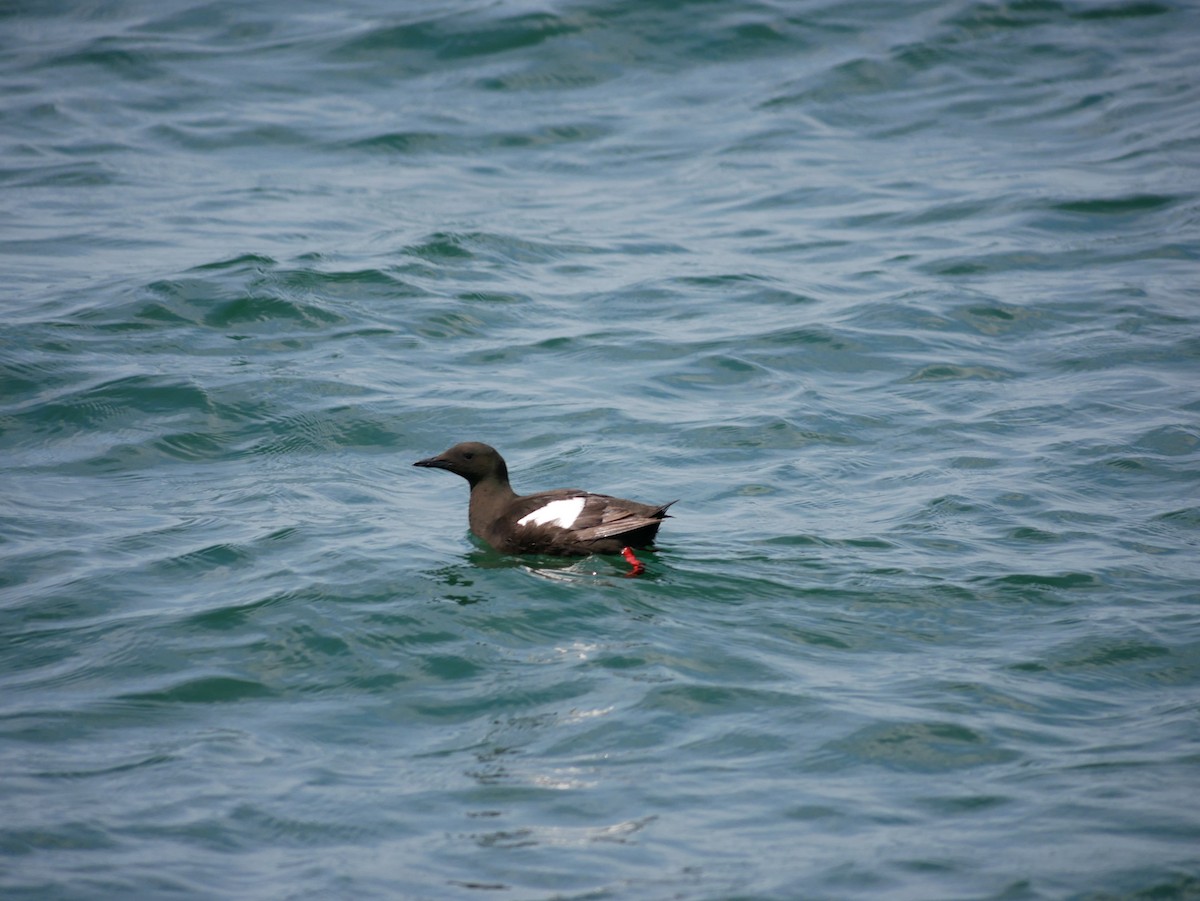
[{"x": 556, "y": 513}]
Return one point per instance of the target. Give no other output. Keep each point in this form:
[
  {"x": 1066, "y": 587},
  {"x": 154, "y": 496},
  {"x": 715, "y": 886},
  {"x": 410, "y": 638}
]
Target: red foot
[{"x": 638, "y": 568}]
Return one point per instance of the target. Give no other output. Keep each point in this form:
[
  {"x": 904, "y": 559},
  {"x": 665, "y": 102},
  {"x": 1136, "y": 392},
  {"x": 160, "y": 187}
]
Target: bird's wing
[{"x": 604, "y": 516}]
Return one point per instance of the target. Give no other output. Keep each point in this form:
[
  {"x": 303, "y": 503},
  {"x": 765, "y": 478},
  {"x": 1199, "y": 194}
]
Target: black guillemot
[{"x": 567, "y": 522}]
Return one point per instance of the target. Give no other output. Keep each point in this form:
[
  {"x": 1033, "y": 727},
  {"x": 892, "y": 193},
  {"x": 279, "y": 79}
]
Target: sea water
[{"x": 899, "y": 299}]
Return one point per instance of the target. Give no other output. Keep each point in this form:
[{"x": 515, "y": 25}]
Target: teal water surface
[{"x": 899, "y": 299}]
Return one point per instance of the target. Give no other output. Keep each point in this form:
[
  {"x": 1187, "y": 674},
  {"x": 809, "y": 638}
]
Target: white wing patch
[{"x": 556, "y": 513}]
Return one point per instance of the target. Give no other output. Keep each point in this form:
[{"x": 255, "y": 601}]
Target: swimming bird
[{"x": 566, "y": 522}]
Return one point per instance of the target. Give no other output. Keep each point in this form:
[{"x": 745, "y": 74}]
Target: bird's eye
[{"x": 468, "y": 455}]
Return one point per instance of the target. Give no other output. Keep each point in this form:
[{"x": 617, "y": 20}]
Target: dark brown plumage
[{"x": 567, "y": 522}]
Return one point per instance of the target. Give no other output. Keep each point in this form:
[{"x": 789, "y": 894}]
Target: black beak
[{"x": 434, "y": 463}]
